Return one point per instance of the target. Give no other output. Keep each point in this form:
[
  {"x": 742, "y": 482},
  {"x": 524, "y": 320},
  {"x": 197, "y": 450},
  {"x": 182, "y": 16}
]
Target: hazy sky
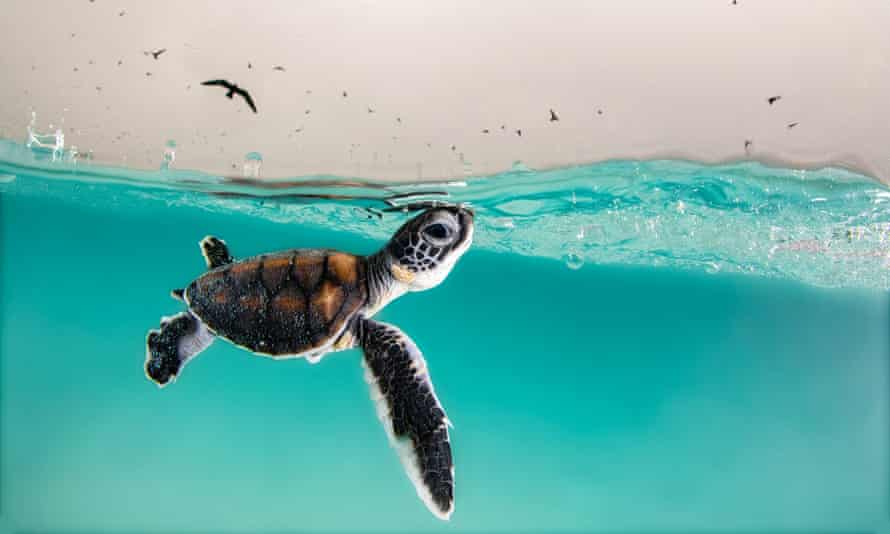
[{"x": 686, "y": 78}]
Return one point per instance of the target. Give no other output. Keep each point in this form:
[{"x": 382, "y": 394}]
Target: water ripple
[{"x": 827, "y": 227}]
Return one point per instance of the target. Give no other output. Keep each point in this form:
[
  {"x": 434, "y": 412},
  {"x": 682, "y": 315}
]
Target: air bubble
[
  {"x": 503, "y": 223},
  {"x": 573, "y": 261}
]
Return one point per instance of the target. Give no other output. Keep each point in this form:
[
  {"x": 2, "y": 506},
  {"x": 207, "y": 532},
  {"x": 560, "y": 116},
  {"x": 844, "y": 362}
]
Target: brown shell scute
[{"x": 281, "y": 304}]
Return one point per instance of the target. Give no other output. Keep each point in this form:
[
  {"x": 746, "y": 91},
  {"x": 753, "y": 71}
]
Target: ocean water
[{"x": 628, "y": 347}]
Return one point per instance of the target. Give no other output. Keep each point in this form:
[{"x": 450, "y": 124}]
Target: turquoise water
[{"x": 710, "y": 355}]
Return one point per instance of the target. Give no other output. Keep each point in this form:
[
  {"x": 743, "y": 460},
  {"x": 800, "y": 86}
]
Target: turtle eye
[{"x": 437, "y": 232}]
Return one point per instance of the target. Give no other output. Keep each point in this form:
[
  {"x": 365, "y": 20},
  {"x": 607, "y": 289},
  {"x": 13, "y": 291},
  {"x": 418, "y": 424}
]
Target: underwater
[{"x": 626, "y": 346}]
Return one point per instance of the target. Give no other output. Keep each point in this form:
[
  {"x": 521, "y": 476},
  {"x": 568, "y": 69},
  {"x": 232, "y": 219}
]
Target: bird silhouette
[
  {"x": 553, "y": 116},
  {"x": 773, "y": 99},
  {"x": 233, "y": 90},
  {"x": 155, "y": 53}
]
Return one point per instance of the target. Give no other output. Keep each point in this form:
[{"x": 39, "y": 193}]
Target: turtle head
[{"x": 424, "y": 249}]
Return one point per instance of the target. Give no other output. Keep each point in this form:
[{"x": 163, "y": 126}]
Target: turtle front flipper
[
  {"x": 215, "y": 251},
  {"x": 181, "y": 338},
  {"x": 410, "y": 411}
]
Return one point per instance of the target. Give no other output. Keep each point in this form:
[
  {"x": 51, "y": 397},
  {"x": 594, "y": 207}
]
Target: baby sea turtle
[{"x": 306, "y": 303}]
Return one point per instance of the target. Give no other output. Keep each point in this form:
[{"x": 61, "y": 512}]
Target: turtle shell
[{"x": 281, "y": 304}]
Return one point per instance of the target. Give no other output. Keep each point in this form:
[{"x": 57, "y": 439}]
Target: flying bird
[
  {"x": 553, "y": 116},
  {"x": 792, "y": 125},
  {"x": 519, "y": 133},
  {"x": 278, "y": 68},
  {"x": 233, "y": 90},
  {"x": 155, "y": 53},
  {"x": 773, "y": 99}
]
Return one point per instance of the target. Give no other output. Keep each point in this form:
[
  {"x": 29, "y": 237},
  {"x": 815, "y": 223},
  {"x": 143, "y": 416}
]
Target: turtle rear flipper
[
  {"x": 215, "y": 252},
  {"x": 410, "y": 411},
  {"x": 181, "y": 338}
]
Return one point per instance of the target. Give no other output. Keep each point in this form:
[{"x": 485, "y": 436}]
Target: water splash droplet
[
  {"x": 252, "y": 165},
  {"x": 60, "y": 145},
  {"x": 54, "y": 142},
  {"x": 519, "y": 166},
  {"x": 573, "y": 260},
  {"x": 169, "y": 154}
]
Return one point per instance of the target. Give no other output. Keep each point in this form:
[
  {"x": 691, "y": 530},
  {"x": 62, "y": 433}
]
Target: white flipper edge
[{"x": 403, "y": 445}]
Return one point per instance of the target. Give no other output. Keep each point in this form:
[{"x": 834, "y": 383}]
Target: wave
[{"x": 827, "y": 227}]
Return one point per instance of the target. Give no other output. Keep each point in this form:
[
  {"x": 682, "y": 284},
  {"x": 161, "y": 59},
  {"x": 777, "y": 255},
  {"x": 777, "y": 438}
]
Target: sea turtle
[{"x": 305, "y": 303}]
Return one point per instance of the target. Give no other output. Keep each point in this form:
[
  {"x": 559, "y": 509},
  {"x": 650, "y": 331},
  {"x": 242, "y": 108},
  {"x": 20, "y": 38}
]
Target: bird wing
[
  {"x": 224, "y": 83},
  {"x": 247, "y": 98}
]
